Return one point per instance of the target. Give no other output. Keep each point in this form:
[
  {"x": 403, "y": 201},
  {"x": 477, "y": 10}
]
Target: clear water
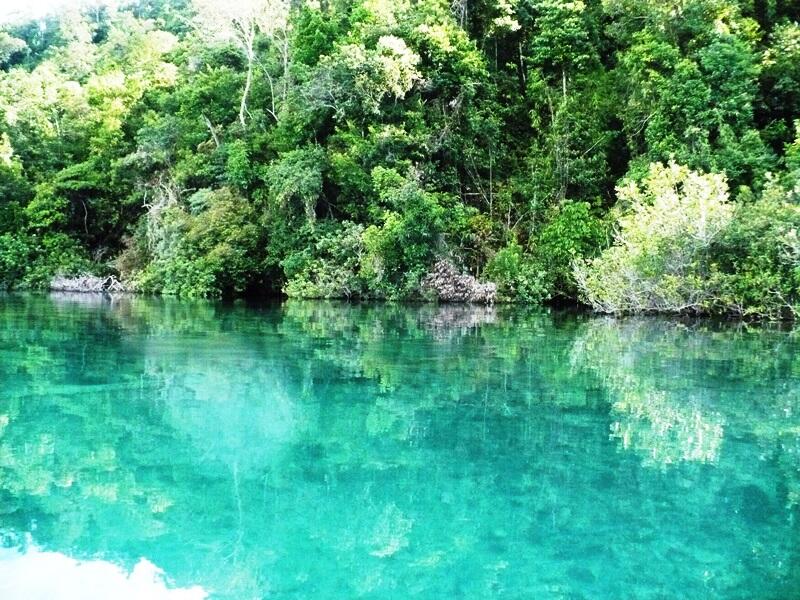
[{"x": 162, "y": 449}]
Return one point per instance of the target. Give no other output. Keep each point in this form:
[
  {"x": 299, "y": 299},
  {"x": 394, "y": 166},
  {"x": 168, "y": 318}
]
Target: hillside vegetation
[{"x": 631, "y": 155}]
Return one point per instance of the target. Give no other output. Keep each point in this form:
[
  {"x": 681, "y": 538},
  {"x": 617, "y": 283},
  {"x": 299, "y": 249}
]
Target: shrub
[
  {"x": 331, "y": 267},
  {"x": 572, "y": 234},
  {"x": 518, "y": 277},
  {"x": 400, "y": 249},
  {"x": 209, "y": 254},
  {"x": 15, "y": 254},
  {"x": 758, "y": 259},
  {"x": 55, "y": 254},
  {"x": 660, "y": 257}
]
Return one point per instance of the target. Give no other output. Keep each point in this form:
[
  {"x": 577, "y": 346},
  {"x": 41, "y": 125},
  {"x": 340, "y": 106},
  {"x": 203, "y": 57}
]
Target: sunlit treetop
[{"x": 16, "y": 10}]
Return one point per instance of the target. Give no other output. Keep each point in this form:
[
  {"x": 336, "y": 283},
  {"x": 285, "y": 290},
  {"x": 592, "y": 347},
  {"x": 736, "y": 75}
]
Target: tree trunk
[
  {"x": 245, "y": 94},
  {"x": 248, "y": 40}
]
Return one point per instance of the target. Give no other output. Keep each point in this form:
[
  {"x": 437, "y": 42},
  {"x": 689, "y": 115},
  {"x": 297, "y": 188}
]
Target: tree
[
  {"x": 490, "y": 133},
  {"x": 561, "y": 40},
  {"x": 10, "y": 48},
  {"x": 781, "y": 82},
  {"x": 242, "y": 21}
]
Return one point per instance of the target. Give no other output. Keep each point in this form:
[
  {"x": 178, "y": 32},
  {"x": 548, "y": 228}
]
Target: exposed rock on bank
[
  {"x": 450, "y": 285},
  {"x": 87, "y": 283}
]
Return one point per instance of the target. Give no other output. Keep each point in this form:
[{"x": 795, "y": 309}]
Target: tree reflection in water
[{"x": 334, "y": 450}]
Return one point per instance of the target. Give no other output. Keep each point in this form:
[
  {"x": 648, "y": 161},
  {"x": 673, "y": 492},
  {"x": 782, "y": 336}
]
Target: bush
[
  {"x": 660, "y": 259},
  {"x": 212, "y": 253},
  {"x": 758, "y": 259},
  {"x": 295, "y": 180},
  {"x": 571, "y": 235},
  {"x": 331, "y": 267},
  {"x": 400, "y": 249},
  {"x": 15, "y": 254},
  {"x": 518, "y": 278}
]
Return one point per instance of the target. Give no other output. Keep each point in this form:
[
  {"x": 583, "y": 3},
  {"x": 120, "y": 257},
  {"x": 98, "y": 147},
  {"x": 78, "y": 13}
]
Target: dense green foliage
[{"x": 338, "y": 148}]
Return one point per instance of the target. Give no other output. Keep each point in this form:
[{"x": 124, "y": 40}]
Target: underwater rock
[{"x": 752, "y": 504}]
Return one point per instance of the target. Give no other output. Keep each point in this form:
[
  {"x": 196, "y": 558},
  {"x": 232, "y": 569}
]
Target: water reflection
[
  {"x": 34, "y": 574},
  {"x": 674, "y": 388},
  {"x": 329, "y": 450}
]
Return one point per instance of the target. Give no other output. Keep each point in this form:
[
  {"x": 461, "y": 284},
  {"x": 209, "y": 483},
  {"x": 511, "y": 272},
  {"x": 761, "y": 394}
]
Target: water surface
[{"x": 162, "y": 449}]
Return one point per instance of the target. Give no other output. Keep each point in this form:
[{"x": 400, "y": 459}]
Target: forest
[{"x": 627, "y": 155}]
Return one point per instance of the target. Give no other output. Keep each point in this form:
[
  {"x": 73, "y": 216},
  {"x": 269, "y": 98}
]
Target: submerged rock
[{"x": 448, "y": 284}]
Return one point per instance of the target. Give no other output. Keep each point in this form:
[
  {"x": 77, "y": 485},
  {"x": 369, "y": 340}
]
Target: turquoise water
[{"x": 164, "y": 449}]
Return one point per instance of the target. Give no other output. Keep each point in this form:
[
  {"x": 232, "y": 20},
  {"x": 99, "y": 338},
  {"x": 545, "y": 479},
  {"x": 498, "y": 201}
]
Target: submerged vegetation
[{"x": 637, "y": 156}]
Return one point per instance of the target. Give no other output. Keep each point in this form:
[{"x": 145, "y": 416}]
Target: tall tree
[{"x": 242, "y": 21}]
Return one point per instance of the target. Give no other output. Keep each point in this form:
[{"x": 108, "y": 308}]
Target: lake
[{"x": 186, "y": 450}]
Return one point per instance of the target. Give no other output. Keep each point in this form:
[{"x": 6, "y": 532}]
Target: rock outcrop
[
  {"x": 448, "y": 284},
  {"x": 86, "y": 283}
]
